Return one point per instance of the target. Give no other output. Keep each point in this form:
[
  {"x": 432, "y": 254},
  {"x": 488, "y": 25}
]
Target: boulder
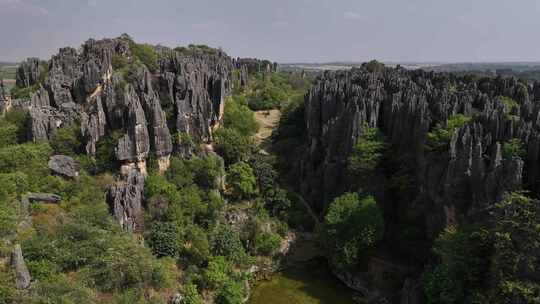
[
  {"x": 64, "y": 165},
  {"x": 43, "y": 197}
]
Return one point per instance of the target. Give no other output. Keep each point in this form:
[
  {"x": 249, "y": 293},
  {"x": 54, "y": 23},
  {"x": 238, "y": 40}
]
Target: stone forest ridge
[{"x": 134, "y": 173}]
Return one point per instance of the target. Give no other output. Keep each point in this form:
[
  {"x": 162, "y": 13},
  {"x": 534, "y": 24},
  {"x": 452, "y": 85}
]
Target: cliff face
[{"x": 455, "y": 185}]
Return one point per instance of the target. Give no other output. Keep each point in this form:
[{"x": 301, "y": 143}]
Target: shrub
[
  {"x": 8, "y": 218},
  {"x": 513, "y": 148},
  {"x": 226, "y": 242},
  {"x": 124, "y": 264},
  {"x": 241, "y": 181},
  {"x": 8, "y": 134},
  {"x": 232, "y": 145},
  {"x": 165, "y": 239},
  {"x": 63, "y": 290},
  {"x": 267, "y": 243},
  {"x": 24, "y": 92},
  {"x": 218, "y": 271},
  {"x": 119, "y": 61},
  {"x": 231, "y": 293},
  {"x": 352, "y": 227},
  {"x": 191, "y": 295},
  {"x": 374, "y": 66},
  {"x": 67, "y": 140},
  {"x": 146, "y": 54},
  {"x": 439, "y": 138},
  {"x": 509, "y": 103},
  {"x": 20, "y": 119},
  {"x": 368, "y": 152},
  {"x": 240, "y": 118},
  {"x": 27, "y": 158}
]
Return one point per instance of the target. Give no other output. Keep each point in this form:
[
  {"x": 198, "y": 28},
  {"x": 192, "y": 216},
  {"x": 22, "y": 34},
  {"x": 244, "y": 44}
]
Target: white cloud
[{"x": 352, "y": 16}]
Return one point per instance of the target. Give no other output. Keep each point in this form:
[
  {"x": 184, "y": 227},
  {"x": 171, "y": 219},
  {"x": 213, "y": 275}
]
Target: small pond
[{"x": 307, "y": 283}]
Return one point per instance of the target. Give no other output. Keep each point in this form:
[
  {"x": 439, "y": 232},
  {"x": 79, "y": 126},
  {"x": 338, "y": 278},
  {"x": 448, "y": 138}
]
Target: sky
[{"x": 285, "y": 30}]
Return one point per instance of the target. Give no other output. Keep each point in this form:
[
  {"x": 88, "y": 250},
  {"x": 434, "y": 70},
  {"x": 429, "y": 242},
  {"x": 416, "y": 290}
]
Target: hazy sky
[{"x": 285, "y": 30}]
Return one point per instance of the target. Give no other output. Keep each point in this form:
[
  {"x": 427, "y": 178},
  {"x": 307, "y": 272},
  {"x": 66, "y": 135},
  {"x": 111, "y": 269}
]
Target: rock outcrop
[
  {"x": 470, "y": 176},
  {"x": 64, "y": 165},
  {"x": 4, "y": 102},
  {"x": 125, "y": 199},
  {"x": 28, "y": 73},
  {"x": 22, "y": 275},
  {"x": 455, "y": 185}
]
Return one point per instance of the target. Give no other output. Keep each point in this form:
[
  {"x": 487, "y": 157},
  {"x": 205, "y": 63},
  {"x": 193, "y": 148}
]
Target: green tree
[
  {"x": 191, "y": 295},
  {"x": 240, "y": 118},
  {"x": 165, "y": 239},
  {"x": 218, "y": 272},
  {"x": 67, "y": 140},
  {"x": 513, "y": 148},
  {"x": 439, "y": 138},
  {"x": 241, "y": 181},
  {"x": 226, "y": 242},
  {"x": 368, "y": 152},
  {"x": 232, "y": 145},
  {"x": 352, "y": 226}
]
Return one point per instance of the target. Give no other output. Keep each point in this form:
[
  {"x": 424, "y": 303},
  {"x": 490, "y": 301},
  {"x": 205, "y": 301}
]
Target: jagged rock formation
[
  {"x": 22, "y": 275},
  {"x": 28, "y": 73},
  {"x": 247, "y": 66},
  {"x": 82, "y": 86},
  {"x": 4, "y": 103},
  {"x": 64, "y": 165},
  {"x": 457, "y": 185},
  {"x": 467, "y": 178},
  {"x": 125, "y": 200}
]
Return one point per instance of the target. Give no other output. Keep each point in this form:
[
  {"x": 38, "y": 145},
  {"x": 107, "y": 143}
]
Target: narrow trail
[{"x": 268, "y": 120}]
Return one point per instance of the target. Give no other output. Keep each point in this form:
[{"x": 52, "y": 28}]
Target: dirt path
[{"x": 268, "y": 121}]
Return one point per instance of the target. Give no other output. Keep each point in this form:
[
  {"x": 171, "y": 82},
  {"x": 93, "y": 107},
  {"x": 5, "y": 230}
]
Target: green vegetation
[
  {"x": 352, "y": 227},
  {"x": 272, "y": 91},
  {"x": 513, "y": 148},
  {"x": 439, "y": 138},
  {"x": 504, "y": 253},
  {"x": 145, "y": 54},
  {"x": 367, "y": 153},
  {"x": 374, "y": 66},
  {"x": 241, "y": 181},
  {"x": 197, "y": 50},
  {"x": 206, "y": 222},
  {"x": 510, "y": 103}
]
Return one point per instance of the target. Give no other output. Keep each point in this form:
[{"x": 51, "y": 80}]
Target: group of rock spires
[
  {"x": 452, "y": 186},
  {"x": 82, "y": 86}
]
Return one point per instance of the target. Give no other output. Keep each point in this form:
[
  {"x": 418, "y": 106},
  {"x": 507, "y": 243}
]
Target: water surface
[{"x": 308, "y": 283}]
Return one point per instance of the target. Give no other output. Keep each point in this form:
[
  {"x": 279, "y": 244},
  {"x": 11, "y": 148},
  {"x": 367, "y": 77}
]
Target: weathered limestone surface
[
  {"x": 22, "y": 275},
  {"x": 64, "y": 165},
  {"x": 125, "y": 200}
]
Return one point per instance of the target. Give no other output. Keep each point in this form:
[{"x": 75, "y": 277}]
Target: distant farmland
[{"x": 7, "y": 73}]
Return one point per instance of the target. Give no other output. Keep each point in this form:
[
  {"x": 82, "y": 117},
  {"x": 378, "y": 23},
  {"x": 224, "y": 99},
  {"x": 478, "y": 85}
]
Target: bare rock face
[
  {"x": 125, "y": 200},
  {"x": 64, "y": 165},
  {"x": 28, "y": 73},
  {"x": 4, "y": 103},
  {"x": 22, "y": 275}
]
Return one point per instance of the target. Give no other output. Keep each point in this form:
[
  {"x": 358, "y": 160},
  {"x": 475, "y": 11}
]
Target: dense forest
[{"x": 134, "y": 173}]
